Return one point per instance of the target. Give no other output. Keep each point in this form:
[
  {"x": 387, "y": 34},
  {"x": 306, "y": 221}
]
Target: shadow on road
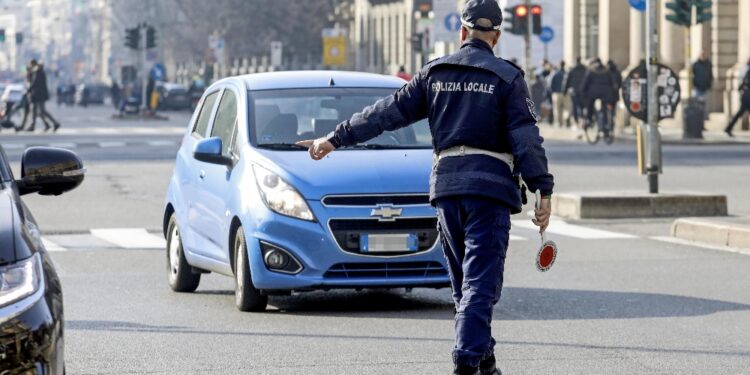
[{"x": 515, "y": 304}]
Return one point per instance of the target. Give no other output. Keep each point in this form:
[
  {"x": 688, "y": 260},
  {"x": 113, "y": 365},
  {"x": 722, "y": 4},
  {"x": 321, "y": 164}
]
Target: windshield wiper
[
  {"x": 387, "y": 147},
  {"x": 282, "y": 146}
]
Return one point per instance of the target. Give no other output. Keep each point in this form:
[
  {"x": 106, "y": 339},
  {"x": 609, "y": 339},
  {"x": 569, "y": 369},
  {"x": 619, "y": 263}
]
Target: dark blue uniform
[{"x": 471, "y": 98}]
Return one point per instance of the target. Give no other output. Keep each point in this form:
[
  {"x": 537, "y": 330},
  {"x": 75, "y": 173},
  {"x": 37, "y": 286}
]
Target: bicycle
[{"x": 604, "y": 124}]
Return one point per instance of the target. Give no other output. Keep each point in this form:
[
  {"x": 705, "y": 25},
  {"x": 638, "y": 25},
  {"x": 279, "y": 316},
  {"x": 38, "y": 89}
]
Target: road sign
[
  {"x": 334, "y": 47},
  {"x": 452, "y": 22},
  {"x": 639, "y": 5},
  {"x": 158, "y": 72},
  {"x": 635, "y": 92},
  {"x": 547, "y": 34}
]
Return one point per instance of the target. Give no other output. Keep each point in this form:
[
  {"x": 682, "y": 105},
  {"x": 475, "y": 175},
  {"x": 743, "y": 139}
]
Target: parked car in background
[
  {"x": 31, "y": 301},
  {"x": 172, "y": 96},
  {"x": 246, "y": 202},
  {"x": 91, "y": 93}
]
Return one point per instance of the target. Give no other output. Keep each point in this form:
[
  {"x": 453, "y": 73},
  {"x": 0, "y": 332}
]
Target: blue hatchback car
[{"x": 246, "y": 202}]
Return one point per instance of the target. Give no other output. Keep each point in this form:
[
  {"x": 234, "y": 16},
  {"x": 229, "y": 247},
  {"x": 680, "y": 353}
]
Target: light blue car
[{"x": 245, "y": 202}]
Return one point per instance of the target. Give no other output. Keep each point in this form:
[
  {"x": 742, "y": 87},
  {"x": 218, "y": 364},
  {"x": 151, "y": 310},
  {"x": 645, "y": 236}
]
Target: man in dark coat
[
  {"x": 39, "y": 95},
  {"x": 598, "y": 84},
  {"x": 744, "y": 101},
  {"x": 703, "y": 79},
  {"x": 573, "y": 88},
  {"x": 559, "y": 99}
]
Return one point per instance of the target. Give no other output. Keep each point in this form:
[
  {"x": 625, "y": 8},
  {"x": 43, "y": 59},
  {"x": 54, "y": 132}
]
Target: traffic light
[
  {"x": 2, "y": 35},
  {"x": 133, "y": 38},
  {"x": 703, "y": 10},
  {"x": 681, "y": 12},
  {"x": 416, "y": 42},
  {"x": 520, "y": 20},
  {"x": 150, "y": 37},
  {"x": 536, "y": 19}
]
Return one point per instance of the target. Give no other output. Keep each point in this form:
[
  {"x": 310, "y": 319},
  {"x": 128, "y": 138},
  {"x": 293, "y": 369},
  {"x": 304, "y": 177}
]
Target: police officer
[{"x": 484, "y": 132}]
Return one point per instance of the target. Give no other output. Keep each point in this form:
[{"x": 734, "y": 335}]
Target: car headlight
[
  {"x": 279, "y": 196},
  {"x": 20, "y": 280}
]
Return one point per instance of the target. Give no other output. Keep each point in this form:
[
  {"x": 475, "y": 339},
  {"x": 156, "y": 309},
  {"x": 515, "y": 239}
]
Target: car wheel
[
  {"x": 179, "y": 273},
  {"x": 246, "y": 296}
]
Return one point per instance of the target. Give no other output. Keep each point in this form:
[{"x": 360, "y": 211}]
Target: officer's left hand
[
  {"x": 318, "y": 148},
  {"x": 542, "y": 214}
]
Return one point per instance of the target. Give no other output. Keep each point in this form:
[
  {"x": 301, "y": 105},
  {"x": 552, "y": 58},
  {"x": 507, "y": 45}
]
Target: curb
[{"x": 716, "y": 232}]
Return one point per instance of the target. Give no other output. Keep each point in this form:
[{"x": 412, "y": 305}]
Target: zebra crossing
[{"x": 142, "y": 239}]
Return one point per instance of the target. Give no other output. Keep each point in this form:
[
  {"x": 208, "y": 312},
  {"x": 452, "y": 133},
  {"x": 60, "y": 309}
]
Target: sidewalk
[{"x": 670, "y": 136}]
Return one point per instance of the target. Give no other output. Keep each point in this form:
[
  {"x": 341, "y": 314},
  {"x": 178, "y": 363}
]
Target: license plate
[{"x": 388, "y": 242}]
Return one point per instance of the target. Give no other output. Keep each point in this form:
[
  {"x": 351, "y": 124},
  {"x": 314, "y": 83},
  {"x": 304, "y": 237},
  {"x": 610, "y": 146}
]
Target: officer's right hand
[
  {"x": 542, "y": 214},
  {"x": 318, "y": 148}
]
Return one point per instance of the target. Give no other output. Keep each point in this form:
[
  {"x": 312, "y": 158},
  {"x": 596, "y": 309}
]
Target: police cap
[{"x": 476, "y": 9}]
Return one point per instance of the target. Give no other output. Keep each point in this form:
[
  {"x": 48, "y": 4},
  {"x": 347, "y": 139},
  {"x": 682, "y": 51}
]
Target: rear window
[{"x": 279, "y": 117}]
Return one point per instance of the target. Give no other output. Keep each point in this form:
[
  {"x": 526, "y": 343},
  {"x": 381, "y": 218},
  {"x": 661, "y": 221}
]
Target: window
[
  {"x": 283, "y": 117},
  {"x": 201, "y": 125},
  {"x": 226, "y": 117}
]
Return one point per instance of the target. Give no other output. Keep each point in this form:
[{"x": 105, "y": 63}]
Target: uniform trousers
[{"x": 474, "y": 235}]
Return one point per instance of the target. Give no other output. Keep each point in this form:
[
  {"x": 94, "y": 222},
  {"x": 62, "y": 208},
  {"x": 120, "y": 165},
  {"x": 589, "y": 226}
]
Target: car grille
[
  {"x": 385, "y": 270},
  {"x": 347, "y": 232},
  {"x": 374, "y": 200}
]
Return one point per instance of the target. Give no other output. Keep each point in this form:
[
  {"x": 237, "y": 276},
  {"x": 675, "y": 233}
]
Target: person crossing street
[{"x": 483, "y": 125}]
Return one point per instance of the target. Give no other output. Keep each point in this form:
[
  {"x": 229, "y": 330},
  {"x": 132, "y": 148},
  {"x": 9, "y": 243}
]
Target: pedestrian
[
  {"x": 115, "y": 94},
  {"x": 484, "y": 131},
  {"x": 616, "y": 75},
  {"x": 539, "y": 94},
  {"x": 559, "y": 99},
  {"x": 403, "y": 74},
  {"x": 598, "y": 84},
  {"x": 744, "y": 101},
  {"x": 573, "y": 88},
  {"x": 703, "y": 79},
  {"x": 39, "y": 95}
]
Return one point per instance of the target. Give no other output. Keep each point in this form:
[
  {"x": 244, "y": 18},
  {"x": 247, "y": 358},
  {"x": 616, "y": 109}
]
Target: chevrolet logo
[{"x": 386, "y": 213}]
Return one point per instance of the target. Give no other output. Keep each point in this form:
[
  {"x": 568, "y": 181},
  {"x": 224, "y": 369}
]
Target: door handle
[{"x": 202, "y": 175}]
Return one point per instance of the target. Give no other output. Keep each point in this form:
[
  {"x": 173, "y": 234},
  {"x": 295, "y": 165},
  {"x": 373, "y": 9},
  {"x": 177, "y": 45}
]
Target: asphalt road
[{"x": 628, "y": 303}]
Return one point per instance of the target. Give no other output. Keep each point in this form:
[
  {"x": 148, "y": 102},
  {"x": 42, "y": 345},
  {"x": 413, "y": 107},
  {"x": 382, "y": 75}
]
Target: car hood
[
  {"x": 7, "y": 230},
  {"x": 353, "y": 171}
]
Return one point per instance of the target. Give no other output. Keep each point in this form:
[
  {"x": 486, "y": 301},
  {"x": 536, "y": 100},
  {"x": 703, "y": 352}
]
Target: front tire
[
  {"x": 179, "y": 273},
  {"x": 246, "y": 296}
]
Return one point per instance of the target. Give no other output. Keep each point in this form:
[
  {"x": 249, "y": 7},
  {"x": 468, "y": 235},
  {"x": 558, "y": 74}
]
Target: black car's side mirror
[
  {"x": 49, "y": 171},
  {"x": 209, "y": 151}
]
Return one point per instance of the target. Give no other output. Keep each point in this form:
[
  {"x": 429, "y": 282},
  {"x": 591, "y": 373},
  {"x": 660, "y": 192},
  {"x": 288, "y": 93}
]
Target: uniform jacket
[
  {"x": 38, "y": 86},
  {"x": 471, "y": 98}
]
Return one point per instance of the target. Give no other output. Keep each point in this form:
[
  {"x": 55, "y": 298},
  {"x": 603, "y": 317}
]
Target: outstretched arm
[{"x": 404, "y": 107}]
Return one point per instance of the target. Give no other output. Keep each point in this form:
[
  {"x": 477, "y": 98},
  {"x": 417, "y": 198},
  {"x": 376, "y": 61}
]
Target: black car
[
  {"x": 31, "y": 302},
  {"x": 173, "y": 96}
]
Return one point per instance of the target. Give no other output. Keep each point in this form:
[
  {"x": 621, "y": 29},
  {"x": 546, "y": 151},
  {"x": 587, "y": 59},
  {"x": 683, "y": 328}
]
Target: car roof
[{"x": 318, "y": 78}]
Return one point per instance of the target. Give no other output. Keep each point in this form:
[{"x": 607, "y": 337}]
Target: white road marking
[
  {"x": 14, "y": 146},
  {"x": 106, "y": 131},
  {"x": 145, "y": 130},
  {"x": 111, "y": 144},
  {"x": 130, "y": 238},
  {"x": 680, "y": 241},
  {"x": 51, "y": 246},
  {"x": 161, "y": 143},
  {"x": 517, "y": 238},
  {"x": 562, "y": 228},
  {"x": 63, "y": 145}
]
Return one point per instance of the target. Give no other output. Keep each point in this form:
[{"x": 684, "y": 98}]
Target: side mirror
[
  {"x": 49, "y": 171},
  {"x": 209, "y": 151}
]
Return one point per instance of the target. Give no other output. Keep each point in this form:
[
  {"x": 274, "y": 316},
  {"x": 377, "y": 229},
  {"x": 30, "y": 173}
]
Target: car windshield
[{"x": 279, "y": 118}]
